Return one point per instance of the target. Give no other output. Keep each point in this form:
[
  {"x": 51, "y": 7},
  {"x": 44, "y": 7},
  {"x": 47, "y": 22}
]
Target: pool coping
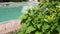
[{"x": 17, "y": 3}]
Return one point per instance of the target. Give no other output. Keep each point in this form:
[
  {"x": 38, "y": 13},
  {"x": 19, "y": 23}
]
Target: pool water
[{"x": 10, "y": 13}]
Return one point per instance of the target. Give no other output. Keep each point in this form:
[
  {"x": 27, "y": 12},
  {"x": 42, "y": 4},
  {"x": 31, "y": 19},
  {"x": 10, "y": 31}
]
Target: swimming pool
[{"x": 10, "y": 13}]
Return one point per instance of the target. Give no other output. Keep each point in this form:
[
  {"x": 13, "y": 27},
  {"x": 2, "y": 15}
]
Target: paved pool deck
[{"x": 9, "y": 26}]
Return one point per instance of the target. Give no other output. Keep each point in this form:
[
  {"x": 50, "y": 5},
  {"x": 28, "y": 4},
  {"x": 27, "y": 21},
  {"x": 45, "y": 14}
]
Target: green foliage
[{"x": 42, "y": 19}]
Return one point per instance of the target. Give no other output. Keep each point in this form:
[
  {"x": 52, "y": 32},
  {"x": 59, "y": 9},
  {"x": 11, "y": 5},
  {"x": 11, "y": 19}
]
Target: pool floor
[{"x": 10, "y": 13}]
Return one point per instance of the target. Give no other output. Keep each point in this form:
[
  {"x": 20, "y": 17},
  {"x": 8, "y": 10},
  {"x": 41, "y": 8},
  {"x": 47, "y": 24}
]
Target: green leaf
[
  {"x": 28, "y": 20},
  {"x": 30, "y": 29},
  {"x": 46, "y": 20},
  {"x": 45, "y": 26},
  {"x": 38, "y": 32},
  {"x": 58, "y": 28},
  {"x": 38, "y": 25},
  {"x": 52, "y": 28},
  {"x": 48, "y": 32},
  {"x": 23, "y": 25},
  {"x": 47, "y": 0}
]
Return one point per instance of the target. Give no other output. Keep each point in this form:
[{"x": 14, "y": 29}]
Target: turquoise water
[{"x": 10, "y": 13}]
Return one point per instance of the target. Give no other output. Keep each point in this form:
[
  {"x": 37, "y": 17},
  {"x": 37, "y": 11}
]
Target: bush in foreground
[{"x": 42, "y": 19}]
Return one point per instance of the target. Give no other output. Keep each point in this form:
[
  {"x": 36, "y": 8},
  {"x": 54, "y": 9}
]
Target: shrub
[{"x": 42, "y": 19}]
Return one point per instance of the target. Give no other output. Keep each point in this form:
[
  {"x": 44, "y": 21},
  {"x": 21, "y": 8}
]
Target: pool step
[{"x": 9, "y": 26}]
